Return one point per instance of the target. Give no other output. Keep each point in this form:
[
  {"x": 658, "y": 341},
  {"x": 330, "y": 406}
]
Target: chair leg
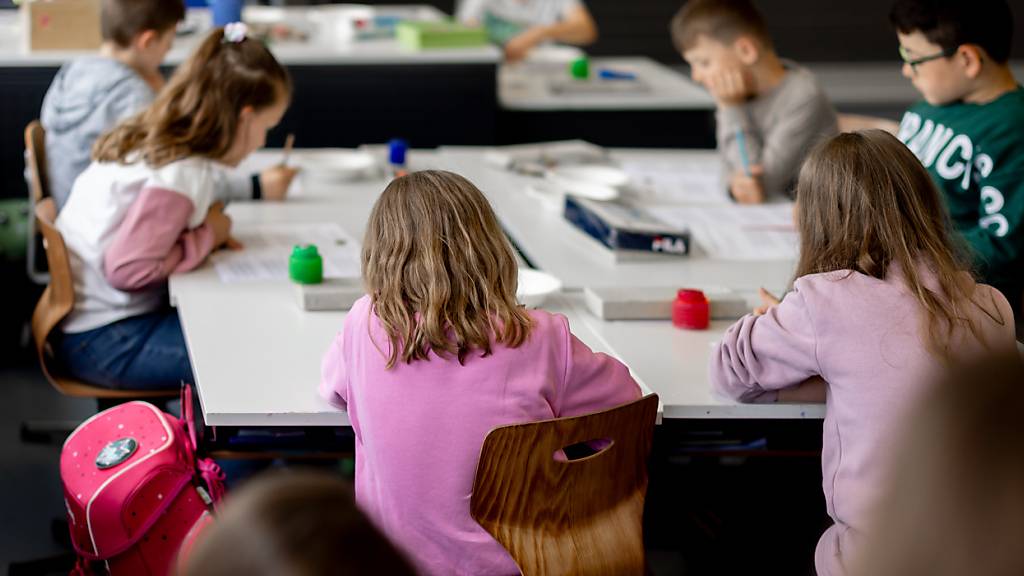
[
  {"x": 60, "y": 532},
  {"x": 107, "y": 403},
  {"x": 46, "y": 431},
  {"x": 56, "y": 431},
  {"x": 57, "y": 564}
]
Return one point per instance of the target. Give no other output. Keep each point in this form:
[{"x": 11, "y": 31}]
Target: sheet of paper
[
  {"x": 268, "y": 246},
  {"x": 733, "y": 232},
  {"x": 676, "y": 180}
]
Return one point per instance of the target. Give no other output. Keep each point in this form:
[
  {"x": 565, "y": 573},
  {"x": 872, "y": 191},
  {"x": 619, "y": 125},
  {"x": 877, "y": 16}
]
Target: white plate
[
  {"x": 589, "y": 181},
  {"x": 551, "y": 196},
  {"x": 553, "y": 53},
  {"x": 535, "y": 286},
  {"x": 585, "y": 189},
  {"x": 336, "y": 165},
  {"x": 593, "y": 174}
]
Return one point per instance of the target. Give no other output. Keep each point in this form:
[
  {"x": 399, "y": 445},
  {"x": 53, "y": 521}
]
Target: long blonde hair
[
  {"x": 440, "y": 271},
  {"x": 197, "y": 113},
  {"x": 865, "y": 203}
]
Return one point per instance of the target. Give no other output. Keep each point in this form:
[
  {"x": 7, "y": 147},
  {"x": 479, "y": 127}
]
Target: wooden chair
[
  {"x": 55, "y": 304},
  {"x": 38, "y": 188},
  {"x": 35, "y": 148},
  {"x": 568, "y": 516}
]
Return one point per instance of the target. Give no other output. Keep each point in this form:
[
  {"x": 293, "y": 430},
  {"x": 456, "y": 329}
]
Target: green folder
[{"x": 415, "y": 35}]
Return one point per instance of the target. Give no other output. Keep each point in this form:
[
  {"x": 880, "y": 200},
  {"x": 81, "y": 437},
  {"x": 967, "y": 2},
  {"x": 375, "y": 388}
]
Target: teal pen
[{"x": 741, "y": 141}]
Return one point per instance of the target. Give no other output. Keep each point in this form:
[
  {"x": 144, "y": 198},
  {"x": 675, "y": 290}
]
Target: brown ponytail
[{"x": 197, "y": 113}]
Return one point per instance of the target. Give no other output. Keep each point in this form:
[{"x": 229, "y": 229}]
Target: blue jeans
[{"x": 145, "y": 352}]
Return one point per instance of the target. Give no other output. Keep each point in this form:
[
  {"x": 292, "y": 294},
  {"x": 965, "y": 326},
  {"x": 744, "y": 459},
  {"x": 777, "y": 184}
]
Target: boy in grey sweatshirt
[
  {"x": 770, "y": 111},
  {"x": 92, "y": 94}
]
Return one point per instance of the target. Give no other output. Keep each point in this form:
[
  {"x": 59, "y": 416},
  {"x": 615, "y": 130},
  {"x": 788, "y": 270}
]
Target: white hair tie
[{"x": 235, "y": 32}]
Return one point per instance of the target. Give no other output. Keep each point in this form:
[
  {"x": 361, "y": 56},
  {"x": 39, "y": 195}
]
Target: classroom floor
[
  {"x": 30, "y": 495},
  {"x": 707, "y": 513}
]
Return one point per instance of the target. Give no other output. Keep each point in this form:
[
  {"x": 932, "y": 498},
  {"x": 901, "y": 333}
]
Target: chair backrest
[
  {"x": 38, "y": 188},
  {"x": 56, "y": 303},
  {"x": 35, "y": 156},
  {"x": 558, "y": 516},
  {"x": 59, "y": 297}
]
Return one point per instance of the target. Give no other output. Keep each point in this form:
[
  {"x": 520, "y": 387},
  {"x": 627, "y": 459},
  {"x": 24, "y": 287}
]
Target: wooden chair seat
[
  {"x": 55, "y": 304},
  {"x": 558, "y": 516}
]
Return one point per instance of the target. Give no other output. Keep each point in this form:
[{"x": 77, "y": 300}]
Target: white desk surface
[
  {"x": 557, "y": 247},
  {"x": 321, "y": 48},
  {"x": 673, "y": 363},
  {"x": 256, "y": 354},
  {"x": 527, "y": 86}
]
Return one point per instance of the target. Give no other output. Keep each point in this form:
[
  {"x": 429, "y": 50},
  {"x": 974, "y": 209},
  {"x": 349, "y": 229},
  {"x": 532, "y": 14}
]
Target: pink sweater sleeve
[
  {"x": 758, "y": 355},
  {"x": 154, "y": 241},
  {"x": 593, "y": 381},
  {"x": 333, "y": 375}
]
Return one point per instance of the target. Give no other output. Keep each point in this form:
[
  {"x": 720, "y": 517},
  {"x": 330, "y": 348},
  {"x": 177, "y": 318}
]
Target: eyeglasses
[{"x": 915, "y": 62}]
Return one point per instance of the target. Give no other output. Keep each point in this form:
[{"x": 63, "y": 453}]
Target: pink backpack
[{"x": 134, "y": 489}]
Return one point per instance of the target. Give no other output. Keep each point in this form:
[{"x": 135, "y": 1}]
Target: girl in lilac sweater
[
  {"x": 881, "y": 305},
  {"x": 437, "y": 355}
]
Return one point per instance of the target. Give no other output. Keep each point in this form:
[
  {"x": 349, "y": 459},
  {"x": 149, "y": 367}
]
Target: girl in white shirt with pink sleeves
[{"x": 144, "y": 209}]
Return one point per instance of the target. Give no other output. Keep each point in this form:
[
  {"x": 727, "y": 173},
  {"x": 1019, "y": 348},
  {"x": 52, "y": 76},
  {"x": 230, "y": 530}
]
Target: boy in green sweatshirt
[{"x": 969, "y": 129}]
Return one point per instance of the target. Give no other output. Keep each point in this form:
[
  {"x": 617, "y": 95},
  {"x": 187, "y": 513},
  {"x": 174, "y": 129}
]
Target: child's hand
[
  {"x": 518, "y": 47},
  {"x": 731, "y": 86},
  {"x": 274, "y": 181},
  {"x": 810, "y": 391},
  {"x": 747, "y": 189},
  {"x": 767, "y": 301},
  {"x": 232, "y": 243},
  {"x": 219, "y": 222}
]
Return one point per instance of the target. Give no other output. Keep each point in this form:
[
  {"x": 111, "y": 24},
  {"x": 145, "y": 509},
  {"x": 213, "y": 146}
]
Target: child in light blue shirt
[{"x": 520, "y": 25}]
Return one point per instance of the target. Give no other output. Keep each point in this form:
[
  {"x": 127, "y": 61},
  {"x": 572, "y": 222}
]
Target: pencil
[
  {"x": 741, "y": 141},
  {"x": 288, "y": 143}
]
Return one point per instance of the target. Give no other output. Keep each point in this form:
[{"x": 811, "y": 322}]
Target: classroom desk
[
  {"x": 322, "y": 46},
  {"x": 345, "y": 93},
  {"x": 674, "y": 363},
  {"x": 538, "y": 102},
  {"x": 552, "y": 244},
  {"x": 535, "y": 86},
  {"x": 256, "y": 354}
]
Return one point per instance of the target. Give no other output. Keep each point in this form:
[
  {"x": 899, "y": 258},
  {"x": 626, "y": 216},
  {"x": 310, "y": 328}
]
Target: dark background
[{"x": 804, "y": 30}]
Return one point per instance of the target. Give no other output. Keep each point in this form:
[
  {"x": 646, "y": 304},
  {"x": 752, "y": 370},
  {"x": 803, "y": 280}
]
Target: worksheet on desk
[
  {"x": 736, "y": 232},
  {"x": 267, "y": 247},
  {"x": 675, "y": 180}
]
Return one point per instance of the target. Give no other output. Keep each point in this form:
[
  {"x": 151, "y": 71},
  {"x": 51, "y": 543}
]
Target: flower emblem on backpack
[{"x": 116, "y": 452}]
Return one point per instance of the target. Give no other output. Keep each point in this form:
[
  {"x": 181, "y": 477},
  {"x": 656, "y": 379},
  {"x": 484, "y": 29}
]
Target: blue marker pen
[
  {"x": 397, "y": 149},
  {"x": 741, "y": 141},
  {"x": 608, "y": 74}
]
